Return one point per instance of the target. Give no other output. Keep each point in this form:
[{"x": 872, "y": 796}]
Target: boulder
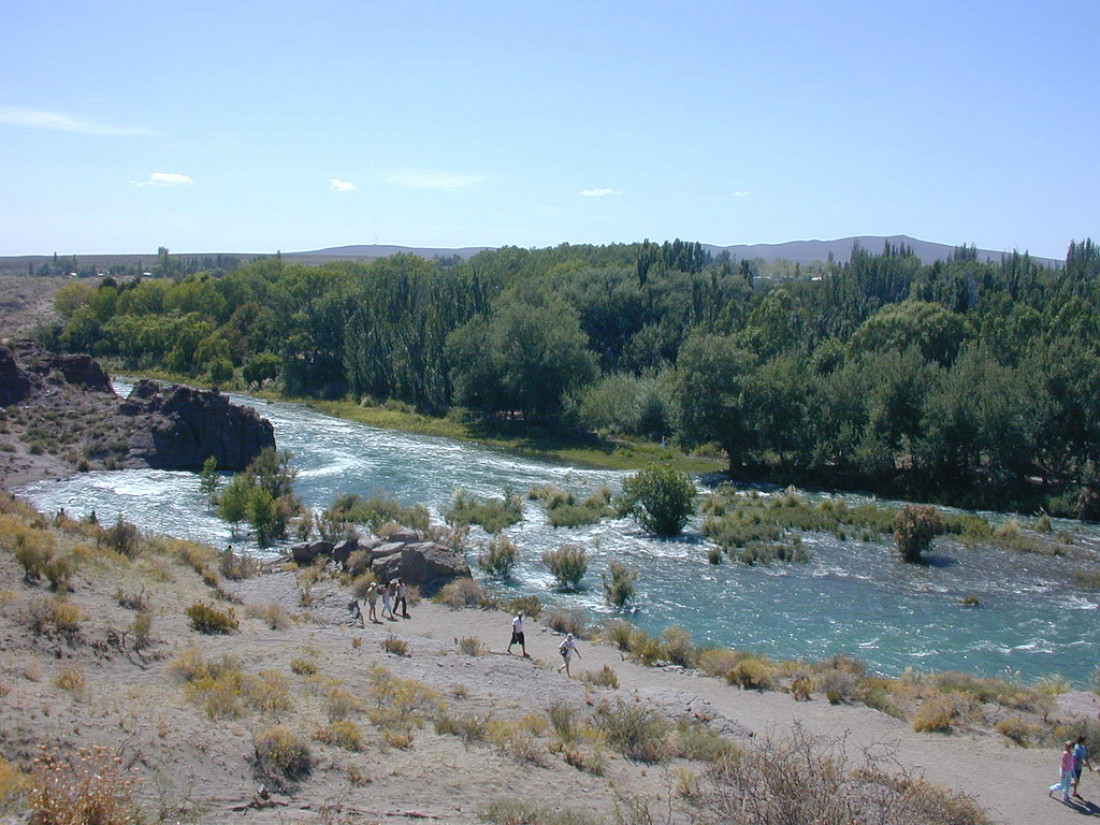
[
  {"x": 342, "y": 550},
  {"x": 14, "y": 383},
  {"x": 191, "y": 425},
  {"x": 427, "y": 565},
  {"x": 307, "y": 552}
]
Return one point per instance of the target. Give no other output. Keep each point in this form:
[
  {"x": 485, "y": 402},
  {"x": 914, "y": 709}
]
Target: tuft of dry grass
[{"x": 86, "y": 787}]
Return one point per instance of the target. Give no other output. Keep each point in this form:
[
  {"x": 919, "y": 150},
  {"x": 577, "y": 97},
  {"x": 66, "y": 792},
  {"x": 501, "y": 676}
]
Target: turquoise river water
[{"x": 852, "y": 598}]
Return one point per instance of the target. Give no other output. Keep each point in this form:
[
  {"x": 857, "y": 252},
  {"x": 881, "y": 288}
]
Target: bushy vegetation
[
  {"x": 351, "y": 509},
  {"x": 493, "y": 515},
  {"x": 499, "y": 557},
  {"x": 563, "y": 508},
  {"x": 660, "y": 498},
  {"x": 619, "y": 584},
  {"x": 567, "y": 564}
]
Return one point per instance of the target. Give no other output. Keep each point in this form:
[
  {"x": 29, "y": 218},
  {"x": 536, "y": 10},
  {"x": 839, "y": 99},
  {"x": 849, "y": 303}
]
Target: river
[{"x": 852, "y": 598}]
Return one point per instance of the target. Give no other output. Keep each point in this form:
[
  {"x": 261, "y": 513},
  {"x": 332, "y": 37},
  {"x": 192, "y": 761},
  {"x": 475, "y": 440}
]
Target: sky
[{"x": 253, "y": 127}]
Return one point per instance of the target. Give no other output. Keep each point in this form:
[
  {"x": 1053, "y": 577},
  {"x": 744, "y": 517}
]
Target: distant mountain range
[{"x": 802, "y": 252}]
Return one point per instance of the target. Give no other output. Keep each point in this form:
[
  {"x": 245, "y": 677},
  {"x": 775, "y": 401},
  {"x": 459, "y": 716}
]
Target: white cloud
[
  {"x": 740, "y": 193},
  {"x": 35, "y": 119},
  {"x": 337, "y": 185},
  {"x": 442, "y": 181},
  {"x": 166, "y": 179},
  {"x": 599, "y": 193}
]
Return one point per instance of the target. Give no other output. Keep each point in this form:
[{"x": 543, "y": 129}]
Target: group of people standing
[
  {"x": 1075, "y": 758},
  {"x": 567, "y": 648},
  {"x": 395, "y": 598}
]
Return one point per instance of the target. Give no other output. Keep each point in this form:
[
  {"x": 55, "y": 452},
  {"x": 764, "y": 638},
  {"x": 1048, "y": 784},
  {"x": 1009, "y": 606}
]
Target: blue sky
[{"x": 255, "y": 126}]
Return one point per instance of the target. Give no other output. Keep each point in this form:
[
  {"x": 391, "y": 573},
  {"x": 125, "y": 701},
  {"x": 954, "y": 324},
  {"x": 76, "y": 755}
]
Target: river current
[{"x": 852, "y": 598}]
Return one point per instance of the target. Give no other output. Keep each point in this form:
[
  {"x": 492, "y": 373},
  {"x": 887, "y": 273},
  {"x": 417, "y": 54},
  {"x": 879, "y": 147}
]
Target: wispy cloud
[
  {"x": 36, "y": 119},
  {"x": 441, "y": 181},
  {"x": 740, "y": 193},
  {"x": 599, "y": 193},
  {"x": 166, "y": 179},
  {"x": 337, "y": 185}
]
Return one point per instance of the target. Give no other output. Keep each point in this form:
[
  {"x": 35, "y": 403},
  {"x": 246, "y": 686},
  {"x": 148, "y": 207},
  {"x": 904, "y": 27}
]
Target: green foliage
[
  {"x": 499, "y": 558},
  {"x": 352, "y": 508},
  {"x": 618, "y": 584},
  {"x": 568, "y": 564},
  {"x": 493, "y": 515},
  {"x": 208, "y": 478},
  {"x": 914, "y": 529},
  {"x": 564, "y": 510},
  {"x": 661, "y": 499},
  {"x": 262, "y": 495}
]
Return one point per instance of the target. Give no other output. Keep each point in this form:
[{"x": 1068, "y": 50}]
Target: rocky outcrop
[
  {"x": 71, "y": 420},
  {"x": 425, "y": 564},
  {"x": 188, "y": 426}
]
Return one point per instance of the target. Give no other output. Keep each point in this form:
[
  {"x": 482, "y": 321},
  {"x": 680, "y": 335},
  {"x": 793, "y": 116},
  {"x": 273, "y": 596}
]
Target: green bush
[
  {"x": 660, "y": 498},
  {"x": 500, "y": 558},
  {"x": 493, "y": 514},
  {"x": 618, "y": 584},
  {"x": 568, "y": 564},
  {"x": 914, "y": 528},
  {"x": 634, "y": 729}
]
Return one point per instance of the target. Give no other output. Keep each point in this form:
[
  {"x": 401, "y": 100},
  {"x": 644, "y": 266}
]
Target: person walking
[
  {"x": 567, "y": 648},
  {"x": 1066, "y": 774},
  {"x": 517, "y": 634},
  {"x": 387, "y": 596},
  {"x": 1080, "y": 762},
  {"x": 372, "y": 601},
  {"x": 402, "y": 600}
]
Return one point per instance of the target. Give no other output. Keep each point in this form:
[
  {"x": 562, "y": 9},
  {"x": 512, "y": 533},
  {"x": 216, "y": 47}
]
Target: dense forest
[{"x": 959, "y": 381}]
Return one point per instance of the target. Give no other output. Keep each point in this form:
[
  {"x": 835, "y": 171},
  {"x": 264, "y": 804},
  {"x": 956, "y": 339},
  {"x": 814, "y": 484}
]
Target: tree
[
  {"x": 660, "y": 498},
  {"x": 914, "y": 529}
]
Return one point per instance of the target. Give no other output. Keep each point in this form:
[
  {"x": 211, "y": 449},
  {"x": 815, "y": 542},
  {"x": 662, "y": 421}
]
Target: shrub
[
  {"x": 468, "y": 728},
  {"x": 59, "y": 571},
  {"x": 493, "y": 515},
  {"x": 752, "y": 673},
  {"x": 303, "y": 666},
  {"x": 634, "y": 729},
  {"x": 392, "y": 644},
  {"x": 281, "y": 757},
  {"x": 660, "y": 498},
  {"x": 461, "y": 593},
  {"x": 937, "y": 714},
  {"x": 617, "y": 631},
  {"x": 914, "y": 528},
  {"x": 1016, "y": 729},
  {"x": 567, "y": 564},
  {"x": 33, "y": 552},
  {"x": 342, "y": 734},
  {"x": 572, "y": 620},
  {"x": 210, "y": 620},
  {"x": 123, "y": 537},
  {"x": 604, "y": 677},
  {"x": 678, "y": 647},
  {"x": 500, "y": 558},
  {"x": 529, "y": 606},
  {"x": 341, "y": 703},
  {"x": 270, "y": 614},
  {"x": 88, "y": 786},
  {"x": 237, "y": 566},
  {"x": 618, "y": 585},
  {"x": 470, "y": 645}
]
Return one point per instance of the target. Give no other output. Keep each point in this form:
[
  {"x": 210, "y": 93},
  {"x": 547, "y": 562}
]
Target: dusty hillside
[{"x": 300, "y": 714}]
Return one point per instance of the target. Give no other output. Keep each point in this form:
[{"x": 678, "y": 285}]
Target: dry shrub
[
  {"x": 1018, "y": 730},
  {"x": 123, "y": 537},
  {"x": 468, "y": 727},
  {"x": 514, "y": 741},
  {"x": 399, "y": 647},
  {"x": 341, "y": 703},
  {"x": 564, "y": 721},
  {"x": 14, "y": 784},
  {"x": 303, "y": 667},
  {"x": 461, "y": 593},
  {"x": 267, "y": 692},
  {"x": 809, "y": 779},
  {"x": 398, "y": 704},
  {"x": 604, "y": 677},
  {"x": 237, "y": 566},
  {"x": 85, "y": 787},
  {"x": 644, "y": 649},
  {"x": 719, "y": 661},
  {"x": 696, "y": 740},
  {"x": 281, "y": 757},
  {"x": 132, "y": 601},
  {"x": 470, "y": 645},
  {"x": 342, "y": 734},
  {"x": 71, "y": 680},
  {"x": 634, "y": 729},
  {"x": 54, "y": 617},
  {"x": 517, "y": 812},
  {"x": 590, "y": 761},
  {"x": 939, "y": 713},
  {"x": 678, "y": 647},
  {"x": 274, "y": 616},
  {"x": 209, "y": 620},
  {"x": 188, "y": 666},
  {"x": 753, "y": 673},
  {"x": 617, "y": 632}
]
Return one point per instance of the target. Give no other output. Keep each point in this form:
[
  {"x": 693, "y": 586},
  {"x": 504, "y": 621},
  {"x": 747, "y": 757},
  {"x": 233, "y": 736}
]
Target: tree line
[{"x": 961, "y": 380}]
